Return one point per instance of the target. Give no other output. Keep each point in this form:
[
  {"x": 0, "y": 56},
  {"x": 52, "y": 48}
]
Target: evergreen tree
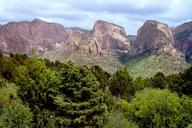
[
  {"x": 34, "y": 81},
  {"x": 121, "y": 84},
  {"x": 79, "y": 101},
  {"x": 101, "y": 75},
  {"x": 181, "y": 83},
  {"x": 159, "y": 81}
]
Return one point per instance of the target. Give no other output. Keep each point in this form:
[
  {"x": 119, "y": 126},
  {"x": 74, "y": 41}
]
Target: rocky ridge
[
  {"x": 42, "y": 36},
  {"x": 183, "y": 39}
]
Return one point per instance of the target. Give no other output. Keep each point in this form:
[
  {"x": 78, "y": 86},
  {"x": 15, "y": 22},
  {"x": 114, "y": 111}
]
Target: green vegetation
[
  {"x": 37, "y": 93},
  {"x": 148, "y": 65},
  {"x": 16, "y": 115},
  {"x": 157, "y": 108},
  {"x": 145, "y": 65},
  {"x": 121, "y": 84}
]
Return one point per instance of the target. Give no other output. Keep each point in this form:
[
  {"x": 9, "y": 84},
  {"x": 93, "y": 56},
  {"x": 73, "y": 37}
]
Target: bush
[
  {"x": 16, "y": 115},
  {"x": 8, "y": 92},
  {"x": 116, "y": 119},
  {"x": 155, "y": 108}
]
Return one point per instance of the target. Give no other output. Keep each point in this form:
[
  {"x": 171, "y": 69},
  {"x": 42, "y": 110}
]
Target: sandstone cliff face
[
  {"x": 44, "y": 36},
  {"x": 81, "y": 41},
  {"x": 183, "y": 37},
  {"x": 110, "y": 35},
  {"x": 103, "y": 36},
  {"x": 23, "y": 36},
  {"x": 154, "y": 36}
]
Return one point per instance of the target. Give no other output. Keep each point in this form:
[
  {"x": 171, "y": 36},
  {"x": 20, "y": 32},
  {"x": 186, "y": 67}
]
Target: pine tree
[
  {"x": 121, "y": 84},
  {"x": 79, "y": 100}
]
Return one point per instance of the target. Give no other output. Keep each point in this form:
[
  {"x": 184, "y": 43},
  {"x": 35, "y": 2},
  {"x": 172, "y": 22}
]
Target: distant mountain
[
  {"x": 155, "y": 37},
  {"x": 24, "y": 36},
  {"x": 106, "y": 45},
  {"x": 183, "y": 39}
]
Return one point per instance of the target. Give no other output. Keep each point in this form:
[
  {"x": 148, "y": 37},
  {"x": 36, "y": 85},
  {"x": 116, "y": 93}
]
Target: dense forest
[{"x": 38, "y": 93}]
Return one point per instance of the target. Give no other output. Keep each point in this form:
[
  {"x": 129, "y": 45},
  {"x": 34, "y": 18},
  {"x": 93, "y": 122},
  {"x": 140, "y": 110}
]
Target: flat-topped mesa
[
  {"x": 110, "y": 36},
  {"x": 23, "y": 36},
  {"x": 157, "y": 37}
]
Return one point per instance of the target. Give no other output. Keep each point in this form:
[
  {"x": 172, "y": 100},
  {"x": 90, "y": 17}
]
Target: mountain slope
[
  {"x": 106, "y": 45},
  {"x": 183, "y": 39},
  {"x": 110, "y": 62},
  {"x": 147, "y": 65}
]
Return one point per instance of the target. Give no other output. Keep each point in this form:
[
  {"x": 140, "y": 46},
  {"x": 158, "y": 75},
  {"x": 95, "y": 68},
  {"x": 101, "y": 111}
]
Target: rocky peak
[
  {"x": 24, "y": 36},
  {"x": 183, "y": 39},
  {"x": 107, "y": 28},
  {"x": 110, "y": 35},
  {"x": 183, "y": 27},
  {"x": 154, "y": 36}
]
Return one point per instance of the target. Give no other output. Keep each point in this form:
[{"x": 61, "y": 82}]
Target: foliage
[
  {"x": 187, "y": 112},
  {"x": 141, "y": 83},
  {"x": 8, "y": 65},
  {"x": 79, "y": 101},
  {"x": 175, "y": 83},
  {"x": 60, "y": 94},
  {"x": 69, "y": 96},
  {"x": 101, "y": 76},
  {"x": 34, "y": 81},
  {"x": 16, "y": 115},
  {"x": 8, "y": 93},
  {"x": 121, "y": 84},
  {"x": 155, "y": 108},
  {"x": 116, "y": 119},
  {"x": 181, "y": 83},
  {"x": 147, "y": 65},
  {"x": 159, "y": 81}
]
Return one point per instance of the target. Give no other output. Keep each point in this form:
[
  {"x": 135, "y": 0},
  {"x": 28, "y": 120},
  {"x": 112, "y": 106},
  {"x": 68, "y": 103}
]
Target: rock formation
[
  {"x": 183, "y": 37},
  {"x": 156, "y": 37},
  {"x": 110, "y": 36},
  {"x": 153, "y": 36},
  {"x": 41, "y": 36},
  {"x": 103, "y": 36},
  {"x": 24, "y": 36}
]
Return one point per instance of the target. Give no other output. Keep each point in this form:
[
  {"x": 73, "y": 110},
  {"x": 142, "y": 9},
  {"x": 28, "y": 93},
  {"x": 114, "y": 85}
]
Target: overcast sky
[{"x": 130, "y": 14}]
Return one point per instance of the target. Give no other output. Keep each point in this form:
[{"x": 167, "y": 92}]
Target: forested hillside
[{"x": 37, "y": 93}]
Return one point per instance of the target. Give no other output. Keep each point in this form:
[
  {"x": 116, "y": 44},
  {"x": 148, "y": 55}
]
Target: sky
[{"x": 130, "y": 14}]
